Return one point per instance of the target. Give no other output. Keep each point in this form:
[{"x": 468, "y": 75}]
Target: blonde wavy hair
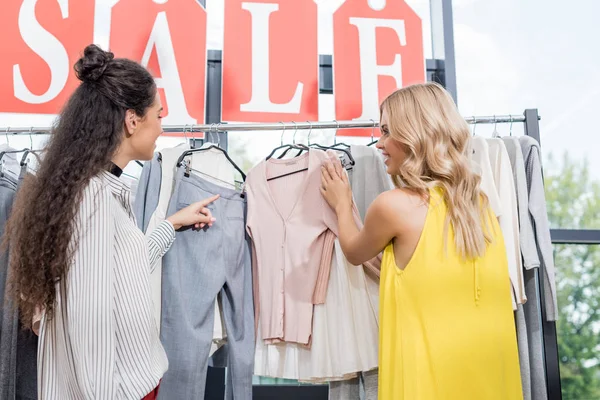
[{"x": 424, "y": 119}]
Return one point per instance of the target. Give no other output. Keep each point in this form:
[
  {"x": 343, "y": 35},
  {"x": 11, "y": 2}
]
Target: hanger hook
[
  {"x": 309, "y": 131},
  {"x": 295, "y": 131},
  {"x": 373, "y": 131},
  {"x": 6, "y": 134},
  {"x": 474, "y": 124},
  {"x": 30, "y": 138},
  {"x": 218, "y": 135},
  {"x": 495, "y": 122},
  {"x": 282, "y": 131},
  {"x": 335, "y": 134},
  {"x": 185, "y": 132},
  {"x": 511, "y": 123}
]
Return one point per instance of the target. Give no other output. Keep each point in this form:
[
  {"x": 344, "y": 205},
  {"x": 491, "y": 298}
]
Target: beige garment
[
  {"x": 287, "y": 221},
  {"x": 509, "y": 221},
  {"x": 493, "y": 165}
]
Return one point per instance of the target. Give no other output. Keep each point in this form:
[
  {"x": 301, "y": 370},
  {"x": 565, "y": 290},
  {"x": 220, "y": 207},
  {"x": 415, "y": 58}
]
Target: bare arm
[{"x": 359, "y": 245}]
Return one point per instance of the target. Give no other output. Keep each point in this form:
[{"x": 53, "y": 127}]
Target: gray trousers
[
  {"x": 364, "y": 387},
  {"x": 199, "y": 266},
  {"x": 18, "y": 349},
  {"x": 148, "y": 191}
]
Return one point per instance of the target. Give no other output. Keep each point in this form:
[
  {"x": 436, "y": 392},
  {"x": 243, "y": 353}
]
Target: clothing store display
[
  {"x": 200, "y": 265},
  {"x": 425, "y": 352},
  {"x": 103, "y": 341},
  {"x": 539, "y": 215},
  {"x": 496, "y": 180},
  {"x": 267, "y": 291},
  {"x": 528, "y": 317},
  {"x": 291, "y": 214}
]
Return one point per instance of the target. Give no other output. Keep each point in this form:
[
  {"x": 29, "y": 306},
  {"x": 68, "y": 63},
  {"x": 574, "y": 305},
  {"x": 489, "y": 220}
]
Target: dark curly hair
[{"x": 89, "y": 129}]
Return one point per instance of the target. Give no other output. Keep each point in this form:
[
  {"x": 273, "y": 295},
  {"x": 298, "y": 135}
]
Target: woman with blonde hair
[{"x": 446, "y": 322}]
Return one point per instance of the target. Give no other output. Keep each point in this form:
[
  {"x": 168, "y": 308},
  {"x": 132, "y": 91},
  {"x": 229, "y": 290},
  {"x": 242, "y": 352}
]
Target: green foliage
[{"x": 573, "y": 200}]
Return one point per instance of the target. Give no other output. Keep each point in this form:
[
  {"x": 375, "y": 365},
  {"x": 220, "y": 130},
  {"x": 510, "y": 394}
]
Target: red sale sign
[
  {"x": 375, "y": 51},
  {"x": 270, "y": 69},
  {"x": 40, "y": 42},
  {"x": 172, "y": 44},
  {"x": 270, "y": 61}
]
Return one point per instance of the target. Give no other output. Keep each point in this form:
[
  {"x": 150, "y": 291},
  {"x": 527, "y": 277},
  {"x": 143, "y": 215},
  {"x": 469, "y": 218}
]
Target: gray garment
[
  {"x": 533, "y": 329},
  {"x": 523, "y": 343},
  {"x": 369, "y": 177},
  {"x": 148, "y": 191},
  {"x": 364, "y": 387},
  {"x": 526, "y": 235},
  {"x": 18, "y": 348},
  {"x": 539, "y": 217},
  {"x": 199, "y": 266},
  {"x": 528, "y": 316},
  {"x": 7, "y": 331}
]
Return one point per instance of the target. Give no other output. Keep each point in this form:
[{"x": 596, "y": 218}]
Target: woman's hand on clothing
[
  {"x": 196, "y": 215},
  {"x": 335, "y": 187}
]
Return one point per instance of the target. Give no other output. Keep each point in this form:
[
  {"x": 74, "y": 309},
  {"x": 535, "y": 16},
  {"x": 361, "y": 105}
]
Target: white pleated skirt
[{"x": 345, "y": 332}]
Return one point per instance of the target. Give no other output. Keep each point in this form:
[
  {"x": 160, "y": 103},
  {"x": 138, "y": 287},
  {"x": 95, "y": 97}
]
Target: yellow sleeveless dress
[{"x": 447, "y": 329}]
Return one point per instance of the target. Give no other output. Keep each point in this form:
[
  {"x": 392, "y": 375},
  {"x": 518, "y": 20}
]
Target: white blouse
[{"x": 103, "y": 342}]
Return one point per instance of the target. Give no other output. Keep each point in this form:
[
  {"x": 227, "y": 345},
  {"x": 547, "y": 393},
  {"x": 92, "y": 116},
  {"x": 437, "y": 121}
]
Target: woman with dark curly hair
[{"x": 76, "y": 253}]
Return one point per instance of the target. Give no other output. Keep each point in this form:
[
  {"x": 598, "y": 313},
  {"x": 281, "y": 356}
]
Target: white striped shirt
[{"x": 103, "y": 342}]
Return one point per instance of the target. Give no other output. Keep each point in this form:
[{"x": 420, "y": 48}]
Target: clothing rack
[{"x": 275, "y": 126}]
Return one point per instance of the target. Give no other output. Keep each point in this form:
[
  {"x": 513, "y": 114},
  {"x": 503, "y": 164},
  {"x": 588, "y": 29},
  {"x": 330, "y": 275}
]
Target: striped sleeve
[
  {"x": 160, "y": 241},
  {"x": 91, "y": 296}
]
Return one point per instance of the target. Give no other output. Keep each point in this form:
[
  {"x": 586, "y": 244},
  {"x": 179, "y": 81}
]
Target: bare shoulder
[
  {"x": 398, "y": 202},
  {"x": 403, "y": 209}
]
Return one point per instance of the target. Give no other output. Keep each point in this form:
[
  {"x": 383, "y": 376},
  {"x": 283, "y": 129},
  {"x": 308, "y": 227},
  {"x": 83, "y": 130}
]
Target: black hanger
[
  {"x": 291, "y": 146},
  {"x": 287, "y": 146},
  {"x": 192, "y": 151},
  {"x": 3, "y": 153},
  {"x": 346, "y": 151},
  {"x": 25, "y": 154},
  {"x": 139, "y": 163},
  {"x": 334, "y": 147},
  {"x": 299, "y": 146}
]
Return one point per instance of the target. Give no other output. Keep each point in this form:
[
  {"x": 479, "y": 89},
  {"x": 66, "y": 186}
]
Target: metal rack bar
[{"x": 275, "y": 126}]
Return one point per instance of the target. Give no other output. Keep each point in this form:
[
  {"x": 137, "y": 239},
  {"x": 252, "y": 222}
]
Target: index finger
[
  {"x": 332, "y": 170},
  {"x": 206, "y": 202},
  {"x": 338, "y": 169}
]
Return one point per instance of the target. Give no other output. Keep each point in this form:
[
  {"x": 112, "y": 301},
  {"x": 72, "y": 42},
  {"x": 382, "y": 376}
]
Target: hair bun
[{"x": 92, "y": 65}]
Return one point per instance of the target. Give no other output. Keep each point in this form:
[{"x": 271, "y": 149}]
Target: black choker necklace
[{"x": 115, "y": 170}]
